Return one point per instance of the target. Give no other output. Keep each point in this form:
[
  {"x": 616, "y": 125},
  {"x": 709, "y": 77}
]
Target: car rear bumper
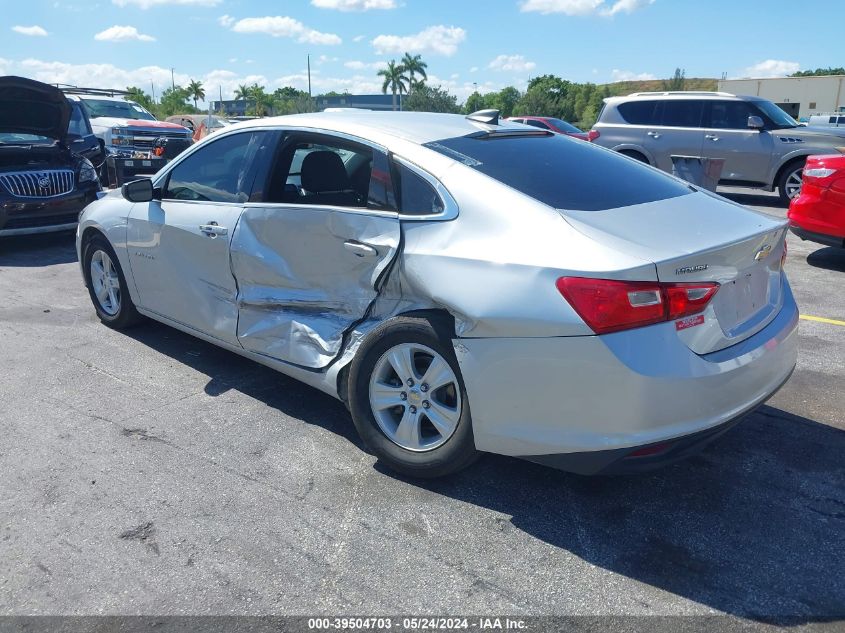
[
  {"x": 26, "y": 216},
  {"x": 818, "y": 215},
  {"x": 821, "y": 238},
  {"x": 584, "y": 403}
]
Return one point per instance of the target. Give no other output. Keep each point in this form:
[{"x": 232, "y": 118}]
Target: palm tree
[
  {"x": 242, "y": 93},
  {"x": 394, "y": 78},
  {"x": 196, "y": 91},
  {"x": 414, "y": 64},
  {"x": 262, "y": 100}
]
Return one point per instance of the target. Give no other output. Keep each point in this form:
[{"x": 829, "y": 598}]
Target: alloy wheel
[
  {"x": 415, "y": 397},
  {"x": 105, "y": 282},
  {"x": 793, "y": 183}
]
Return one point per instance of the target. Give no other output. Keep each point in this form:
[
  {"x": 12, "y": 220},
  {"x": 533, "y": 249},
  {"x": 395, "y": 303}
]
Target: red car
[
  {"x": 555, "y": 125},
  {"x": 818, "y": 213}
]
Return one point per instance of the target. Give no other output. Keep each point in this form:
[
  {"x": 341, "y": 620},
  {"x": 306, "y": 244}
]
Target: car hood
[
  {"x": 32, "y": 107},
  {"x": 812, "y": 131}
]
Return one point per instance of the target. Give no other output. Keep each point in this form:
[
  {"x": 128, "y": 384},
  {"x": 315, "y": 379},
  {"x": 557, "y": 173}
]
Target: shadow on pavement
[
  {"x": 754, "y": 199},
  {"x": 829, "y": 258},
  {"x": 754, "y": 526},
  {"x": 30, "y": 251}
]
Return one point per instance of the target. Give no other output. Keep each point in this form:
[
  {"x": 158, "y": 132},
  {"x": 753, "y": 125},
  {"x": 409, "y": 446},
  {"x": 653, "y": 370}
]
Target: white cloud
[
  {"x": 146, "y": 4},
  {"x": 584, "y": 7},
  {"x": 122, "y": 34},
  {"x": 34, "y": 30},
  {"x": 771, "y": 68},
  {"x": 627, "y": 75},
  {"x": 435, "y": 40},
  {"x": 358, "y": 65},
  {"x": 325, "y": 59},
  {"x": 512, "y": 63},
  {"x": 359, "y": 38},
  {"x": 283, "y": 26},
  {"x": 226, "y": 21},
  {"x": 354, "y": 5},
  {"x": 474, "y": 69},
  {"x": 626, "y": 6}
]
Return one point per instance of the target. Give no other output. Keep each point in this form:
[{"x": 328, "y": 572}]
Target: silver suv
[{"x": 762, "y": 145}]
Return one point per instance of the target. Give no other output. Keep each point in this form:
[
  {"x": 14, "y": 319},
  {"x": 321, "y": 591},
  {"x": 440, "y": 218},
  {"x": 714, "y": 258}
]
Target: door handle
[
  {"x": 359, "y": 249},
  {"x": 212, "y": 229},
  {"x": 711, "y": 137},
  {"x": 654, "y": 134}
]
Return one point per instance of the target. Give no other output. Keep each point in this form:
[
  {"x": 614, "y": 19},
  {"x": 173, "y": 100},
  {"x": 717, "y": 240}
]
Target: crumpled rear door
[{"x": 306, "y": 275}]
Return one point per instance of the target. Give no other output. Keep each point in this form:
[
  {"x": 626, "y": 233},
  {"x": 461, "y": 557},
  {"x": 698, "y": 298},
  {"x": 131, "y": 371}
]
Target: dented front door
[{"x": 306, "y": 275}]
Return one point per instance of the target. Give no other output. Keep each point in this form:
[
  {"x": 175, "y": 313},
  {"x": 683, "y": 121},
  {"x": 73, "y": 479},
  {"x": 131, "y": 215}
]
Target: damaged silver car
[{"x": 465, "y": 285}]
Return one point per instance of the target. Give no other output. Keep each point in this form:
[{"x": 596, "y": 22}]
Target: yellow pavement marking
[{"x": 807, "y": 317}]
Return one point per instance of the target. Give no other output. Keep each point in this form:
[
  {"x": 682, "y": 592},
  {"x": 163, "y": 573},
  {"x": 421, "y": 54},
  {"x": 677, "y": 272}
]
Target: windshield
[
  {"x": 11, "y": 138},
  {"x": 562, "y": 172},
  {"x": 116, "y": 109},
  {"x": 779, "y": 117}
]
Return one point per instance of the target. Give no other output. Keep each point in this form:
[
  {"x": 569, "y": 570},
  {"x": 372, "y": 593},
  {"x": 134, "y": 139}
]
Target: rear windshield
[{"x": 562, "y": 172}]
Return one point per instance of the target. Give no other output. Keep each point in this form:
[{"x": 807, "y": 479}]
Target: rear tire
[
  {"x": 789, "y": 182},
  {"x": 415, "y": 428},
  {"x": 107, "y": 285}
]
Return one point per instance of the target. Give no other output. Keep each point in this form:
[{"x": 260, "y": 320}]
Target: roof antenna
[{"x": 490, "y": 117}]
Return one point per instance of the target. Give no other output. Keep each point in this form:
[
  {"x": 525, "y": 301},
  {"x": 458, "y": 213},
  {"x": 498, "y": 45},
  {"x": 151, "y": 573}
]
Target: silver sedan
[{"x": 464, "y": 285}]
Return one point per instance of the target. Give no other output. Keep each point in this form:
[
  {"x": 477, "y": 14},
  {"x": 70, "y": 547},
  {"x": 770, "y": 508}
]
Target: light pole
[{"x": 172, "y": 80}]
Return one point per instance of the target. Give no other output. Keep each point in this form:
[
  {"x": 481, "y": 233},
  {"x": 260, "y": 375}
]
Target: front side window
[
  {"x": 536, "y": 123},
  {"x": 562, "y": 172},
  {"x": 730, "y": 115},
  {"x": 222, "y": 171},
  {"x": 778, "y": 118}
]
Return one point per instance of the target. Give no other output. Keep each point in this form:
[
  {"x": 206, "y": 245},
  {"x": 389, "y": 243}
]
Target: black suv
[{"x": 45, "y": 178}]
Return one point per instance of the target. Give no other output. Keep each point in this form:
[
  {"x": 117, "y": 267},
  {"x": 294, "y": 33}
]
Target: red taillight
[
  {"x": 608, "y": 305},
  {"x": 592, "y": 135}
]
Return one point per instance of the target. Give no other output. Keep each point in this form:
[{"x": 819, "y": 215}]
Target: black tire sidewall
[
  {"x": 126, "y": 315},
  {"x": 458, "y": 451},
  {"x": 788, "y": 170}
]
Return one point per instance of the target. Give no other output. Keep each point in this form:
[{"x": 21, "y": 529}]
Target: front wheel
[
  {"x": 408, "y": 400},
  {"x": 789, "y": 184},
  {"x": 107, "y": 285}
]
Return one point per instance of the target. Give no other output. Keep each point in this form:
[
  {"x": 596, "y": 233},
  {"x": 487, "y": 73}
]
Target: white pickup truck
[{"x": 126, "y": 129}]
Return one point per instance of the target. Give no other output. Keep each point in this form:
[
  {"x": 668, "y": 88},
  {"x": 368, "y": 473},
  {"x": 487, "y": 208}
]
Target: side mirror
[
  {"x": 755, "y": 123},
  {"x": 138, "y": 190}
]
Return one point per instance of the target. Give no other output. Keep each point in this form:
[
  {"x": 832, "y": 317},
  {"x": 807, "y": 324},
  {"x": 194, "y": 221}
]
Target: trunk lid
[{"x": 703, "y": 238}]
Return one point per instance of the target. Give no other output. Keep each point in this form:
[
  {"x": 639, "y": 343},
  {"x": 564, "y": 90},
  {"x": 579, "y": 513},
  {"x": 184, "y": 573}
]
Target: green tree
[
  {"x": 139, "y": 96},
  {"x": 818, "y": 72},
  {"x": 262, "y": 102},
  {"x": 196, "y": 91},
  {"x": 431, "y": 99},
  {"x": 475, "y": 102},
  {"x": 504, "y": 101},
  {"x": 242, "y": 93},
  {"x": 174, "y": 101},
  {"x": 289, "y": 100},
  {"x": 414, "y": 65},
  {"x": 677, "y": 82},
  {"x": 394, "y": 79}
]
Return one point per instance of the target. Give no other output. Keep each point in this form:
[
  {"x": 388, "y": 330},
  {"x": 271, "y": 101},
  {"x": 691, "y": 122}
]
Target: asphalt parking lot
[{"x": 149, "y": 472}]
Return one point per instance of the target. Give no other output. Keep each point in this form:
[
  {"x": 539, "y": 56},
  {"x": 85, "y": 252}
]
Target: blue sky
[{"x": 492, "y": 44}]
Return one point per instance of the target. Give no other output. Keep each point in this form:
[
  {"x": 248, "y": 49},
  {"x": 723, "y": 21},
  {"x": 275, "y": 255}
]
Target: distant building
[
  {"x": 799, "y": 97},
  {"x": 241, "y": 107},
  {"x": 365, "y": 102}
]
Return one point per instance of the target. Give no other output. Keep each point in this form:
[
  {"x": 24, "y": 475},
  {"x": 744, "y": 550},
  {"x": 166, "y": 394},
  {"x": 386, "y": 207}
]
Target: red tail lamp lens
[{"x": 609, "y": 305}]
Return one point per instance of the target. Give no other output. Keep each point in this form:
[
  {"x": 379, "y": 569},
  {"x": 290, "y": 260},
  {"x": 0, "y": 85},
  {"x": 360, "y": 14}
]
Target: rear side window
[
  {"x": 535, "y": 123},
  {"x": 562, "y": 172},
  {"x": 731, "y": 115},
  {"x": 416, "y": 195},
  {"x": 682, "y": 113},
  {"x": 640, "y": 112}
]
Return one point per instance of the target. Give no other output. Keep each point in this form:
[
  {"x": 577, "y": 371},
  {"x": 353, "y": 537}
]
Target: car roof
[
  {"x": 80, "y": 97},
  {"x": 674, "y": 96},
  {"x": 382, "y": 127}
]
